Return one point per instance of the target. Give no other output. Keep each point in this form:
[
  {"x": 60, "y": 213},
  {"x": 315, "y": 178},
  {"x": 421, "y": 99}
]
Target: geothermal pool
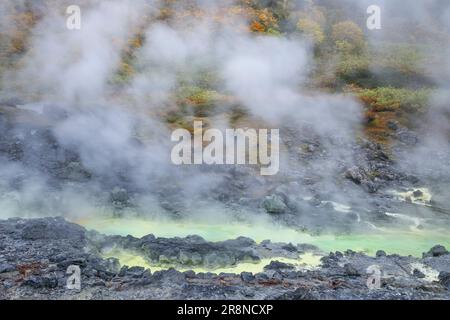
[
  {"x": 304, "y": 261},
  {"x": 404, "y": 242}
]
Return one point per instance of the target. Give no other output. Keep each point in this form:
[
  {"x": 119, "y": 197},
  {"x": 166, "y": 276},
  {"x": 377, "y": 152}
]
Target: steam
[
  {"x": 73, "y": 70},
  {"x": 427, "y": 22},
  {"x": 81, "y": 62}
]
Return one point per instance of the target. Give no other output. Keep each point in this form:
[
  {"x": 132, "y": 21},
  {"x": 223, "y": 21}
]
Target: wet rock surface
[{"x": 35, "y": 255}]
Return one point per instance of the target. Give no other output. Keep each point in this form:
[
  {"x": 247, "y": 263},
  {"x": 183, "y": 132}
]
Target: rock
[
  {"x": 408, "y": 137},
  {"x": 76, "y": 172},
  {"x": 289, "y": 247},
  {"x": 123, "y": 271},
  {"x": 350, "y": 270},
  {"x": 277, "y": 265},
  {"x": 418, "y": 274},
  {"x": 239, "y": 242},
  {"x": 248, "y": 293},
  {"x": 163, "y": 259},
  {"x": 277, "y": 276},
  {"x": 370, "y": 187},
  {"x": 148, "y": 238},
  {"x": 194, "y": 239},
  {"x": 112, "y": 265},
  {"x": 225, "y": 275},
  {"x": 99, "y": 283},
  {"x": 417, "y": 193},
  {"x": 361, "y": 177},
  {"x": 214, "y": 260},
  {"x": 135, "y": 272},
  {"x": 274, "y": 204},
  {"x": 393, "y": 125},
  {"x": 436, "y": 251},
  {"x": 8, "y": 284},
  {"x": 292, "y": 274},
  {"x": 171, "y": 276},
  {"x": 444, "y": 279},
  {"x": 6, "y": 267},
  {"x": 147, "y": 274},
  {"x": 53, "y": 229},
  {"x": 441, "y": 263},
  {"x": 349, "y": 252},
  {"x": 105, "y": 275},
  {"x": 119, "y": 196},
  {"x": 41, "y": 282},
  {"x": 184, "y": 258},
  {"x": 261, "y": 277},
  {"x": 298, "y": 294},
  {"x": 307, "y": 247},
  {"x": 380, "y": 253},
  {"x": 190, "y": 274},
  {"x": 64, "y": 262},
  {"x": 354, "y": 174},
  {"x": 190, "y": 258},
  {"x": 247, "y": 276}
]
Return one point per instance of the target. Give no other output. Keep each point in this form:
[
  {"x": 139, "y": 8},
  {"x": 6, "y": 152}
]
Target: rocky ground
[
  {"x": 306, "y": 194},
  {"x": 35, "y": 255}
]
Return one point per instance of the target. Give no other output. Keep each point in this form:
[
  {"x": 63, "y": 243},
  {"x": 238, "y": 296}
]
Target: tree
[
  {"x": 348, "y": 37},
  {"x": 311, "y": 29}
]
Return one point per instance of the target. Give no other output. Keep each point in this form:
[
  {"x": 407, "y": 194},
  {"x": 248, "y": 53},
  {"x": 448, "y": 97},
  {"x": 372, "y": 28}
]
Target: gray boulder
[
  {"x": 53, "y": 229},
  {"x": 274, "y": 204},
  {"x": 436, "y": 251}
]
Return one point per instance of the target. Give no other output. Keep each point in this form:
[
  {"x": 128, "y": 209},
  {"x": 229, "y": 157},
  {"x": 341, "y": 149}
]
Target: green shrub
[
  {"x": 351, "y": 66},
  {"x": 407, "y": 59},
  {"x": 385, "y": 65},
  {"x": 394, "y": 99},
  {"x": 200, "y": 100}
]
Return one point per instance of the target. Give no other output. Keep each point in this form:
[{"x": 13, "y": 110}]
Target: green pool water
[
  {"x": 304, "y": 261},
  {"x": 403, "y": 242}
]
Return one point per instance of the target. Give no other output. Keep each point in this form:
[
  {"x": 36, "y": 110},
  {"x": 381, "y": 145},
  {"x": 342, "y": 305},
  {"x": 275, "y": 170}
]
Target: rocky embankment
[
  {"x": 351, "y": 195},
  {"x": 35, "y": 255}
]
